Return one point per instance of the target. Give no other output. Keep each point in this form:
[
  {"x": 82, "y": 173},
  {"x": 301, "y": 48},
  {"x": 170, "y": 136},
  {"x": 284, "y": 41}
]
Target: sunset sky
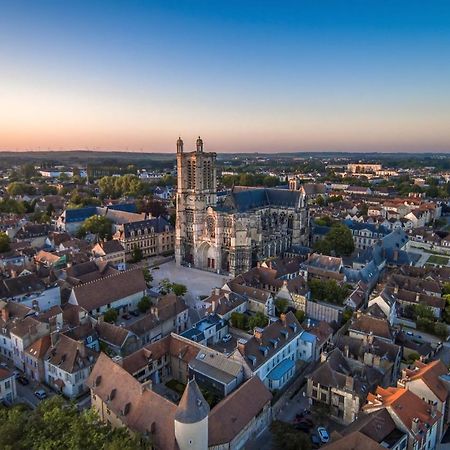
[{"x": 266, "y": 76}]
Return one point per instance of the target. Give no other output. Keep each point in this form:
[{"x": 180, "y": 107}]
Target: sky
[{"x": 266, "y": 76}]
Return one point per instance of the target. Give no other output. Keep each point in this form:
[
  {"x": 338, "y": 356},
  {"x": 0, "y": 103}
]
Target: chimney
[
  {"x": 370, "y": 339},
  {"x": 241, "y": 345},
  {"x": 415, "y": 425},
  {"x": 155, "y": 312},
  {"x": 54, "y": 338},
  {"x": 433, "y": 408},
  {"x": 349, "y": 382},
  {"x": 283, "y": 318},
  {"x": 323, "y": 357},
  {"x": 213, "y": 305},
  {"x": 396, "y": 289},
  {"x": 81, "y": 349},
  {"x": 258, "y": 333},
  {"x": 217, "y": 291},
  {"x": 346, "y": 351},
  {"x": 417, "y": 297},
  {"x": 5, "y": 314},
  {"x": 395, "y": 256}
]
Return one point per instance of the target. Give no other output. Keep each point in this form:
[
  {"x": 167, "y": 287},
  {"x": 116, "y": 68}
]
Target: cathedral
[{"x": 249, "y": 225}]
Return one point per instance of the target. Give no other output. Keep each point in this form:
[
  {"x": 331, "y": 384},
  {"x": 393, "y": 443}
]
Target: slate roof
[
  {"x": 192, "y": 407},
  {"x": 243, "y": 199},
  {"x": 79, "y": 214},
  {"x": 158, "y": 224}
]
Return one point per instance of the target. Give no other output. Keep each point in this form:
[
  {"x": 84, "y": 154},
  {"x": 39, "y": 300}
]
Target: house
[
  {"x": 354, "y": 441},
  {"x": 169, "y": 314},
  {"x": 224, "y": 303},
  {"x": 323, "y": 333},
  {"x": 373, "y": 352},
  {"x": 121, "y": 291},
  {"x": 34, "y": 358},
  {"x": 207, "y": 331},
  {"x": 272, "y": 353},
  {"x": 378, "y": 428},
  {"x": 23, "y": 333},
  {"x": 387, "y": 303},
  {"x": 8, "y": 390},
  {"x": 258, "y": 300},
  {"x": 412, "y": 415},
  {"x": 121, "y": 400},
  {"x": 155, "y": 236},
  {"x": 371, "y": 323},
  {"x": 342, "y": 384},
  {"x": 117, "y": 339},
  {"x": 215, "y": 372},
  {"x": 110, "y": 251},
  {"x": 430, "y": 382},
  {"x": 68, "y": 364}
]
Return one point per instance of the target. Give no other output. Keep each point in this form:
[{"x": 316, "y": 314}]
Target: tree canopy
[
  {"x": 99, "y": 225},
  {"x": 337, "y": 242},
  {"x": 56, "y": 425},
  {"x": 328, "y": 291},
  {"x": 4, "y": 242}
]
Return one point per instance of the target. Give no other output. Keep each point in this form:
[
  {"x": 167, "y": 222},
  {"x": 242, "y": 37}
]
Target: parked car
[
  {"x": 40, "y": 394},
  {"x": 126, "y": 316},
  {"x": 323, "y": 435},
  {"x": 315, "y": 441},
  {"x": 23, "y": 380},
  {"x": 16, "y": 374},
  {"x": 227, "y": 338},
  {"x": 302, "y": 426},
  {"x": 410, "y": 333},
  {"x": 3, "y": 365},
  {"x": 135, "y": 313}
]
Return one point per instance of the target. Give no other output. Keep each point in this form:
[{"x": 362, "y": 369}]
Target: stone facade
[{"x": 250, "y": 225}]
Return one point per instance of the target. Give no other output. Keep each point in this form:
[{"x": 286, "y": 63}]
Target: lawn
[{"x": 435, "y": 259}]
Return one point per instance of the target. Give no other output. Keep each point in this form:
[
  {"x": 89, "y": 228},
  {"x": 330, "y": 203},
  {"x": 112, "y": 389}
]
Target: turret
[
  {"x": 191, "y": 419},
  {"x": 199, "y": 144}
]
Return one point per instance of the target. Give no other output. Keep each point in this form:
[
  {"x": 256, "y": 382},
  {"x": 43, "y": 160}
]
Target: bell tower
[{"x": 196, "y": 191}]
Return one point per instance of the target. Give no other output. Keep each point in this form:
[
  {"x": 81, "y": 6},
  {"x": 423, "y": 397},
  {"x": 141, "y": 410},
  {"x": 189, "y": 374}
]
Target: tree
[
  {"x": 110, "y": 315},
  {"x": 320, "y": 201},
  {"x": 347, "y": 315},
  {"x": 286, "y": 437},
  {"x": 281, "y": 304},
  {"x": 50, "y": 210},
  {"x": 300, "y": 315},
  {"x": 441, "y": 330},
  {"x": 328, "y": 291},
  {"x": 136, "y": 254},
  {"x": 98, "y": 225},
  {"x": 148, "y": 277},
  {"x": 4, "y": 243},
  {"x": 144, "y": 304},
  {"x": 338, "y": 241},
  {"x": 56, "y": 424},
  {"x": 239, "y": 320},
  {"x": 259, "y": 320},
  {"x": 178, "y": 289},
  {"x": 446, "y": 290}
]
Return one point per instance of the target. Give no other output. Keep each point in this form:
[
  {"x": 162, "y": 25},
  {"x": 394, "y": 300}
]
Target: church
[{"x": 249, "y": 225}]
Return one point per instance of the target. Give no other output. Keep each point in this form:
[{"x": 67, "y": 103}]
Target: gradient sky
[{"x": 246, "y": 75}]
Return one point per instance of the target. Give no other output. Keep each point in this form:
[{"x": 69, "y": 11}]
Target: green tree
[
  {"x": 441, "y": 330},
  {"x": 337, "y": 242},
  {"x": 239, "y": 320},
  {"x": 110, "y": 315},
  {"x": 281, "y": 304},
  {"x": 320, "y": 200},
  {"x": 144, "y": 304},
  {"x": 136, "y": 254},
  {"x": 300, "y": 315},
  {"x": 328, "y": 291},
  {"x": 179, "y": 289},
  {"x": 98, "y": 225},
  {"x": 4, "y": 243},
  {"x": 446, "y": 290},
  {"x": 286, "y": 437},
  {"x": 258, "y": 320},
  {"x": 347, "y": 315},
  {"x": 148, "y": 277}
]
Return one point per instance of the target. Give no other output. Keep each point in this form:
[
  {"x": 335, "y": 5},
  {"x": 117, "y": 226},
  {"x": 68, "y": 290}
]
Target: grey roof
[
  {"x": 193, "y": 406},
  {"x": 158, "y": 224},
  {"x": 244, "y": 199}
]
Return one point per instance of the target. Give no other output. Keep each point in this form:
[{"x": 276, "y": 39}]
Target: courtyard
[{"x": 198, "y": 282}]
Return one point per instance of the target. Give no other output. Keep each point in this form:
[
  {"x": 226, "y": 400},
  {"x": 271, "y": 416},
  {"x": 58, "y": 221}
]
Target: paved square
[{"x": 198, "y": 282}]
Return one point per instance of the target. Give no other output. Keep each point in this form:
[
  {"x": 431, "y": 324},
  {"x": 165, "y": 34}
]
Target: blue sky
[{"x": 246, "y": 75}]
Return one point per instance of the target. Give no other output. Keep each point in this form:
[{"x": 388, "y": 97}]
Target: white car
[
  {"x": 40, "y": 394},
  {"x": 227, "y": 338},
  {"x": 323, "y": 434}
]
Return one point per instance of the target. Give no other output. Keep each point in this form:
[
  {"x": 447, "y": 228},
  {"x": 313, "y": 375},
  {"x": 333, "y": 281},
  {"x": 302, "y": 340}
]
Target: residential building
[{"x": 110, "y": 251}]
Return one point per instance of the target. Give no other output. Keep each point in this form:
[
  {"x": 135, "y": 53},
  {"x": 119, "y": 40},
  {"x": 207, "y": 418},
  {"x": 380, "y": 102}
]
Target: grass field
[{"x": 435, "y": 259}]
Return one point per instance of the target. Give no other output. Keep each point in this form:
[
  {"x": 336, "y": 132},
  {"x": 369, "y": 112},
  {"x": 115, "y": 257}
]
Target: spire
[
  {"x": 199, "y": 144},
  {"x": 193, "y": 406},
  {"x": 179, "y": 145}
]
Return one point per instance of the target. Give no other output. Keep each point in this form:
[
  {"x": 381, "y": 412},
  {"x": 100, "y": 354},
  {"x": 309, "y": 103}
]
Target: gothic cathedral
[{"x": 249, "y": 225}]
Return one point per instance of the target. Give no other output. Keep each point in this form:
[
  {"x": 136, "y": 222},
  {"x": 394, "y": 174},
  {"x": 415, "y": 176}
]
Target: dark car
[
  {"x": 23, "y": 380},
  {"x": 303, "y": 426},
  {"x": 315, "y": 441},
  {"x": 135, "y": 313},
  {"x": 126, "y": 316}
]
